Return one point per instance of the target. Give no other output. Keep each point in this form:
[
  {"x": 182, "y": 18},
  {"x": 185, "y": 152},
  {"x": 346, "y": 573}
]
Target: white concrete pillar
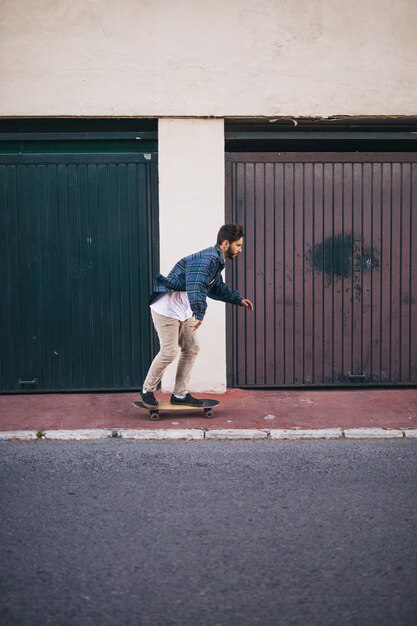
[{"x": 191, "y": 209}]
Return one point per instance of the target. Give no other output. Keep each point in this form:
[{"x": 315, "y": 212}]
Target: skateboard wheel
[
  {"x": 154, "y": 416},
  {"x": 208, "y": 412}
]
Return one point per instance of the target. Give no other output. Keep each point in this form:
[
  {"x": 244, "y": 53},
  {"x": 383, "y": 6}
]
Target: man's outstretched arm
[{"x": 221, "y": 291}]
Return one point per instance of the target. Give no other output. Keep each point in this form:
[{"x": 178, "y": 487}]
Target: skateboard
[{"x": 207, "y": 407}]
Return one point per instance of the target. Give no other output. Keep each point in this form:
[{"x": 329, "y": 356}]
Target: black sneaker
[
  {"x": 148, "y": 399},
  {"x": 187, "y": 400}
]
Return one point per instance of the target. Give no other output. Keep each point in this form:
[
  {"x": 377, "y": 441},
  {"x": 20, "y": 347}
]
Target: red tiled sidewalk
[{"x": 353, "y": 408}]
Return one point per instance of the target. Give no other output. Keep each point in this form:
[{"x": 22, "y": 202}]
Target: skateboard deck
[{"x": 207, "y": 407}]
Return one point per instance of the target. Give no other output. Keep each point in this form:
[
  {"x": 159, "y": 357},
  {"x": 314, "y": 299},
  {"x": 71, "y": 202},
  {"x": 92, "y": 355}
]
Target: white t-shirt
[{"x": 174, "y": 304}]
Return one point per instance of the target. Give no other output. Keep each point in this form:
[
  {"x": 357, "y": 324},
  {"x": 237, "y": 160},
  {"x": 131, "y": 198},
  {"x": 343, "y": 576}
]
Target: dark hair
[{"x": 230, "y": 232}]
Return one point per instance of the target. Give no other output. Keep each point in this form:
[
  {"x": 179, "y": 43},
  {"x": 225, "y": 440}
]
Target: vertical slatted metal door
[
  {"x": 79, "y": 244},
  {"x": 330, "y": 261}
]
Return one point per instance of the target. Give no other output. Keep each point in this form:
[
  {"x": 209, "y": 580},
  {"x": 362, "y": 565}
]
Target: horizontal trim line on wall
[
  {"x": 77, "y": 136},
  {"x": 311, "y": 157},
  {"x": 331, "y": 136},
  {"x": 96, "y": 158}
]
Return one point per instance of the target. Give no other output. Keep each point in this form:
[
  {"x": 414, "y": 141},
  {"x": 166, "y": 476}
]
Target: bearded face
[{"x": 234, "y": 249}]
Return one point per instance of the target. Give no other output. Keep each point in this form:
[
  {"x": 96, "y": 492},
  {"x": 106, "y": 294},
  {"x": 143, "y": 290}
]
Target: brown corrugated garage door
[{"x": 330, "y": 261}]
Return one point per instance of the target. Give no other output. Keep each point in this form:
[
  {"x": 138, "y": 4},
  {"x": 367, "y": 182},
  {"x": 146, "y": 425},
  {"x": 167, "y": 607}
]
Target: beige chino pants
[{"x": 173, "y": 335}]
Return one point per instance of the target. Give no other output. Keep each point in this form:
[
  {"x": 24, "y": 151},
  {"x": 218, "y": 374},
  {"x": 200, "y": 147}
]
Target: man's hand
[
  {"x": 197, "y": 324},
  {"x": 248, "y": 304}
]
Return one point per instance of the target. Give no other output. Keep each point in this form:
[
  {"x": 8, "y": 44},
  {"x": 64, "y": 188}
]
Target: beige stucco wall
[
  {"x": 208, "y": 58},
  {"x": 191, "y": 208}
]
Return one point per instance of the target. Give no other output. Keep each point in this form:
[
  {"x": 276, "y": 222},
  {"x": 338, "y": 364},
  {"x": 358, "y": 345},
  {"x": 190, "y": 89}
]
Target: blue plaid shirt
[{"x": 199, "y": 275}]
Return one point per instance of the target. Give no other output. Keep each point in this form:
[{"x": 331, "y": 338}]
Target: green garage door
[{"x": 79, "y": 249}]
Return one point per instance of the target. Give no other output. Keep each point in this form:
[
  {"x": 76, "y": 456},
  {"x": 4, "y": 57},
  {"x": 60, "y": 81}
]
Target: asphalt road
[{"x": 209, "y": 533}]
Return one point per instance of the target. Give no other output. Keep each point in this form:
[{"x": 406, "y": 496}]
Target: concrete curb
[
  {"x": 161, "y": 433},
  {"x": 295, "y": 433},
  {"x": 371, "y": 433},
  {"x": 199, "y": 434},
  {"x": 236, "y": 433}
]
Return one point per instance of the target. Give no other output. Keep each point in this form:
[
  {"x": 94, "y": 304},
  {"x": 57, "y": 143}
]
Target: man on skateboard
[{"x": 178, "y": 305}]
